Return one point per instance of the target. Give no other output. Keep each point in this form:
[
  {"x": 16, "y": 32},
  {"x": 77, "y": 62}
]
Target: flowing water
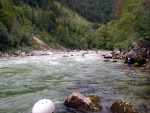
[{"x": 24, "y": 81}]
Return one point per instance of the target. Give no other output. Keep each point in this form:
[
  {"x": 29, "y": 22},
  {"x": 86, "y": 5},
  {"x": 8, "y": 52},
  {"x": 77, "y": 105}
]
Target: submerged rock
[
  {"x": 122, "y": 107},
  {"x": 80, "y": 101}
]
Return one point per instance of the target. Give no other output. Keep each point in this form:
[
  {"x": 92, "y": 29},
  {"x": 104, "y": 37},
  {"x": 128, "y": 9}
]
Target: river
[{"x": 24, "y": 81}]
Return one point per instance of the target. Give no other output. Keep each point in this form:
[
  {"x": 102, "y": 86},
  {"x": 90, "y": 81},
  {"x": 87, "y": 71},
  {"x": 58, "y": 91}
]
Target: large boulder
[
  {"x": 122, "y": 107},
  {"x": 80, "y": 101},
  {"x": 138, "y": 51},
  {"x": 138, "y": 55}
]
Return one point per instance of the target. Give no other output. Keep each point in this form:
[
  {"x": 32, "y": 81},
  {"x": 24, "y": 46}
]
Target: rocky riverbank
[
  {"x": 139, "y": 55},
  {"x": 20, "y": 53}
]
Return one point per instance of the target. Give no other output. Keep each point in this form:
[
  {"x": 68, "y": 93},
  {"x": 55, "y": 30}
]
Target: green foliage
[
  {"x": 5, "y": 38},
  {"x": 101, "y": 35},
  {"x": 22, "y": 19},
  {"x": 55, "y": 23},
  {"x": 132, "y": 23},
  {"x": 93, "y": 10}
]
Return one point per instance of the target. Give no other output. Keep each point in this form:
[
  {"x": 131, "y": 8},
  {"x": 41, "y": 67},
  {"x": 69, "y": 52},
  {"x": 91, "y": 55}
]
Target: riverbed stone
[
  {"x": 108, "y": 56},
  {"x": 122, "y": 107},
  {"x": 110, "y": 60},
  {"x": 83, "y": 102}
]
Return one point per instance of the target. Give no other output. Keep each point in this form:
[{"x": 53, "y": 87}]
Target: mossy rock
[
  {"x": 122, "y": 107},
  {"x": 136, "y": 64},
  {"x": 82, "y": 102}
]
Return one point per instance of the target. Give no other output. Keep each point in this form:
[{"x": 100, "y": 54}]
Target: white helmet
[{"x": 43, "y": 106}]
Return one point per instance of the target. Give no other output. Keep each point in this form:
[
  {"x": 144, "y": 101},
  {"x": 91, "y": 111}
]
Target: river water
[{"x": 24, "y": 81}]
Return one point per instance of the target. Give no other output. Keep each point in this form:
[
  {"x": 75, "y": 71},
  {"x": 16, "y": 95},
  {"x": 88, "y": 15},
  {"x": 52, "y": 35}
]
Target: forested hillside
[
  {"x": 104, "y": 24},
  {"x": 97, "y": 11},
  {"x": 131, "y": 24},
  {"x": 20, "y": 20}
]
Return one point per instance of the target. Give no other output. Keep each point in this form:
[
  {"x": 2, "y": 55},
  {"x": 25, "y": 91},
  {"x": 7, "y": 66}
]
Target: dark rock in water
[
  {"x": 122, "y": 107},
  {"x": 65, "y": 56},
  {"x": 110, "y": 60},
  {"x": 80, "y": 101},
  {"x": 107, "y": 60}
]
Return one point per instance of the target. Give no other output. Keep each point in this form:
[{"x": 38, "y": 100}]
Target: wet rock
[
  {"x": 122, "y": 107},
  {"x": 65, "y": 56},
  {"x": 107, "y": 60},
  {"x": 108, "y": 56},
  {"x": 80, "y": 101},
  {"x": 110, "y": 60}
]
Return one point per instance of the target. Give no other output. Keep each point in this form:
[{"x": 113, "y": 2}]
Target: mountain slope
[
  {"x": 55, "y": 24},
  {"x": 52, "y": 23},
  {"x": 131, "y": 25},
  {"x": 97, "y": 11}
]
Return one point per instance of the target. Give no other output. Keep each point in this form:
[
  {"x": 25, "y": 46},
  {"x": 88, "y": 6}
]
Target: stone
[
  {"x": 82, "y": 102},
  {"x": 108, "y": 56},
  {"x": 18, "y": 52},
  {"x": 110, "y": 60},
  {"x": 122, "y": 107}
]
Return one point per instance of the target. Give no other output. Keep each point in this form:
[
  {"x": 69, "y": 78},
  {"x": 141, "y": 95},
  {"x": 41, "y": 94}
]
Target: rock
[
  {"x": 65, "y": 56},
  {"x": 80, "y": 101},
  {"x": 132, "y": 54},
  {"x": 138, "y": 51},
  {"x": 138, "y": 55},
  {"x": 122, "y": 107},
  {"x": 108, "y": 56},
  {"x": 117, "y": 54},
  {"x": 107, "y": 60},
  {"x": 17, "y": 53},
  {"x": 23, "y": 54},
  {"x": 135, "y": 47},
  {"x": 110, "y": 60}
]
